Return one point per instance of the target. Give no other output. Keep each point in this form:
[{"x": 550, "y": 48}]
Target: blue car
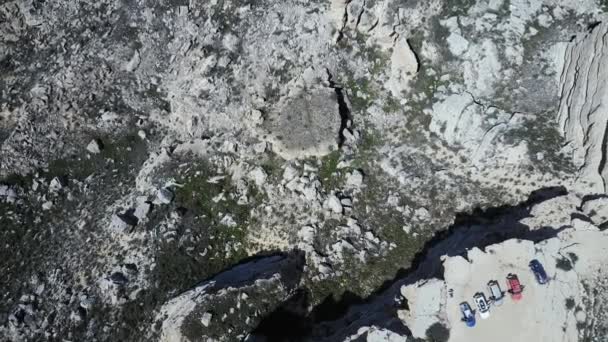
[
  {"x": 468, "y": 315},
  {"x": 539, "y": 271}
]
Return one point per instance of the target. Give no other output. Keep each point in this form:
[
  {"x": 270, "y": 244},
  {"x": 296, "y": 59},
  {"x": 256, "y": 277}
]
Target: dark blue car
[
  {"x": 468, "y": 315},
  {"x": 539, "y": 271}
]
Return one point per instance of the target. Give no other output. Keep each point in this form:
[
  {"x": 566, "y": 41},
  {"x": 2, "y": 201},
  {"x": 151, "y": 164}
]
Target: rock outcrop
[
  {"x": 583, "y": 111},
  {"x": 231, "y": 304}
]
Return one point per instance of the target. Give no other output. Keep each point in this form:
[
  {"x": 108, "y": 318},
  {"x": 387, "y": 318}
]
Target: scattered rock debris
[{"x": 251, "y": 170}]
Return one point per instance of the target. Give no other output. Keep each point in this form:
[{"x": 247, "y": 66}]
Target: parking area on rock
[{"x": 540, "y": 315}]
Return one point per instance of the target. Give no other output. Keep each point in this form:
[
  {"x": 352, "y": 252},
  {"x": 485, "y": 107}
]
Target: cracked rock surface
[{"x": 582, "y": 113}]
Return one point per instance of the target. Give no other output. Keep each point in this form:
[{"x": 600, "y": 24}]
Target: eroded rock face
[
  {"x": 231, "y": 304},
  {"x": 583, "y": 112}
]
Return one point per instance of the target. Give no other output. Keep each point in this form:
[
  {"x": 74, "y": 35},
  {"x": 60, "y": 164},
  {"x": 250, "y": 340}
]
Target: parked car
[
  {"x": 482, "y": 305},
  {"x": 539, "y": 272},
  {"x": 496, "y": 294},
  {"x": 515, "y": 288},
  {"x": 468, "y": 315}
]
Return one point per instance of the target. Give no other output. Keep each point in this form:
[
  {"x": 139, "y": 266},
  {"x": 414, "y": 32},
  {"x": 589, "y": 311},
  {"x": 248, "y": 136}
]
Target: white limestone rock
[
  {"x": 117, "y": 224},
  {"x": 94, "y": 146},
  {"x": 376, "y": 334},
  {"x": 165, "y": 195},
  {"x": 143, "y": 208},
  {"x": 333, "y": 203},
  {"x": 404, "y": 67},
  {"x": 426, "y": 300},
  {"x": 206, "y": 319},
  {"x": 289, "y": 173},
  {"x": 457, "y": 44},
  {"x": 55, "y": 184},
  {"x": 355, "y": 179},
  {"x": 47, "y": 205},
  {"x": 259, "y": 176},
  {"x": 583, "y": 110},
  {"x": 8, "y": 193}
]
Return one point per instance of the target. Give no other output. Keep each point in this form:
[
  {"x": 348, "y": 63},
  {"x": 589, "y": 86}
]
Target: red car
[{"x": 515, "y": 288}]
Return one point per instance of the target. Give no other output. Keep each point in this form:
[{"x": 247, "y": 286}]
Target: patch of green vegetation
[
  {"x": 199, "y": 186},
  {"x": 367, "y": 151},
  {"x": 387, "y": 224},
  {"x": 378, "y": 58},
  {"x": 17, "y": 179},
  {"x": 40, "y": 238},
  {"x": 26, "y": 226},
  {"x": 204, "y": 242},
  {"x": 563, "y": 264},
  {"x": 604, "y": 5},
  {"x": 207, "y": 203},
  {"x": 581, "y": 326},
  {"x": 373, "y": 54},
  {"x": 359, "y": 279},
  {"x": 273, "y": 166},
  {"x": 505, "y": 9},
  {"x": 324, "y": 289},
  {"x": 542, "y": 137},
  {"x": 573, "y": 257},
  {"x": 330, "y": 176},
  {"x": 391, "y": 104},
  {"x": 115, "y": 159},
  {"x": 437, "y": 333},
  {"x": 533, "y": 43},
  {"x": 361, "y": 93},
  {"x": 370, "y": 140},
  {"x": 427, "y": 81},
  {"x": 570, "y": 303},
  {"x": 457, "y": 7}
]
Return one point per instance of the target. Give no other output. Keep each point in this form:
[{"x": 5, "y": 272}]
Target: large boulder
[{"x": 307, "y": 124}]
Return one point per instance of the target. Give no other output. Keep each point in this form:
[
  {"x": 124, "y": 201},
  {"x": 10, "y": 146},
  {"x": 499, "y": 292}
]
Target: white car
[
  {"x": 496, "y": 294},
  {"x": 482, "y": 305}
]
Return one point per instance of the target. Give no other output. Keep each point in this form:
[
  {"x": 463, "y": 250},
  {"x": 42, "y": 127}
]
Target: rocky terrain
[{"x": 327, "y": 170}]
